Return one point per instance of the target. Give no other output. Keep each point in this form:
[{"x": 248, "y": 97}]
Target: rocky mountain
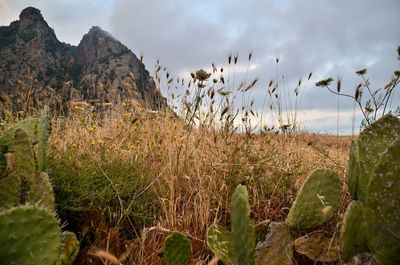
[{"x": 36, "y": 67}]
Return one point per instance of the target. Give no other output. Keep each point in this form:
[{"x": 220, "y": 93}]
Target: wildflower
[{"x": 202, "y": 75}]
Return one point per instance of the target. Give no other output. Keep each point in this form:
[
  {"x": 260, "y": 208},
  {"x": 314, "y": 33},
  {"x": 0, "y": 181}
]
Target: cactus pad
[
  {"x": 44, "y": 133},
  {"x": 177, "y": 249},
  {"x": 9, "y": 192},
  {"x": 354, "y": 230},
  {"x": 243, "y": 228},
  {"x": 372, "y": 142},
  {"x": 317, "y": 200},
  {"x": 384, "y": 203},
  {"x": 30, "y": 126},
  {"x": 25, "y": 163},
  {"x": 69, "y": 249},
  {"x": 41, "y": 191},
  {"x": 29, "y": 235},
  {"x": 354, "y": 169},
  {"x": 219, "y": 240}
]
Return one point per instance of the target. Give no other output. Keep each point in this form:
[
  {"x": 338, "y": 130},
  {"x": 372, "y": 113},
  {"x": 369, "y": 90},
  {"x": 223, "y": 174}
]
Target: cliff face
[
  {"x": 100, "y": 68},
  {"x": 29, "y": 47},
  {"x": 112, "y": 67}
]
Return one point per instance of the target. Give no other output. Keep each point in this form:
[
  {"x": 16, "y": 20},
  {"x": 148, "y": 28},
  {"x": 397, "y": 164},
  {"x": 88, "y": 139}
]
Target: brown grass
[{"x": 194, "y": 174}]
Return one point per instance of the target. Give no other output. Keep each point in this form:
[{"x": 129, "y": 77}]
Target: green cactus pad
[
  {"x": 30, "y": 126},
  {"x": 354, "y": 231},
  {"x": 29, "y": 235},
  {"x": 9, "y": 192},
  {"x": 243, "y": 228},
  {"x": 44, "y": 134},
  {"x": 384, "y": 203},
  {"x": 219, "y": 241},
  {"x": 177, "y": 249},
  {"x": 41, "y": 191},
  {"x": 354, "y": 169},
  {"x": 317, "y": 200},
  {"x": 25, "y": 163},
  {"x": 372, "y": 142},
  {"x": 69, "y": 249}
]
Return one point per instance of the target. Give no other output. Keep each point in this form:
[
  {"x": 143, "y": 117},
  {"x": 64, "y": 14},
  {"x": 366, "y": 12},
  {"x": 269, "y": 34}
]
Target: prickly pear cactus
[
  {"x": 243, "y": 228},
  {"x": 29, "y": 235},
  {"x": 9, "y": 192},
  {"x": 384, "y": 203},
  {"x": 372, "y": 142},
  {"x": 219, "y": 241},
  {"x": 25, "y": 163},
  {"x": 69, "y": 248},
  {"x": 44, "y": 133},
  {"x": 236, "y": 247},
  {"x": 39, "y": 189},
  {"x": 354, "y": 169},
  {"x": 30, "y": 126},
  {"x": 317, "y": 200},
  {"x": 353, "y": 234},
  {"x": 177, "y": 249}
]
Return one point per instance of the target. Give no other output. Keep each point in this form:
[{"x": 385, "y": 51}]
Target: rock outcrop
[{"x": 35, "y": 65}]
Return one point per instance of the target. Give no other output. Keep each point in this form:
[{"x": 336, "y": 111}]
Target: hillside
[{"x": 100, "y": 68}]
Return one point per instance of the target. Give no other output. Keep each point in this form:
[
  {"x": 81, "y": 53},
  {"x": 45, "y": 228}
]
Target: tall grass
[
  {"x": 125, "y": 176},
  {"x": 148, "y": 177}
]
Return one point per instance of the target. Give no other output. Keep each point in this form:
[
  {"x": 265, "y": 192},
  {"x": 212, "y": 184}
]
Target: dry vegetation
[{"x": 143, "y": 174}]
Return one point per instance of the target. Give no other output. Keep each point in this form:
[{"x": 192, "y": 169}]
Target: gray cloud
[{"x": 329, "y": 38}]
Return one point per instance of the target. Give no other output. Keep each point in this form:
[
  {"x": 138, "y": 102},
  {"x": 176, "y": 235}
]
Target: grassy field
[{"x": 125, "y": 178}]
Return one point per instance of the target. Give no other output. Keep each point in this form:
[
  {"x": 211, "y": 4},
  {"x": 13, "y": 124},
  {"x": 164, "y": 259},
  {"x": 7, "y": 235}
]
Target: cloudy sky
[{"x": 330, "y": 38}]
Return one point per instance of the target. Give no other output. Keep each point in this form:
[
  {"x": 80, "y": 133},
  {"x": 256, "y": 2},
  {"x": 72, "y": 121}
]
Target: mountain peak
[
  {"x": 99, "y": 68},
  {"x": 31, "y": 13},
  {"x": 95, "y": 29}
]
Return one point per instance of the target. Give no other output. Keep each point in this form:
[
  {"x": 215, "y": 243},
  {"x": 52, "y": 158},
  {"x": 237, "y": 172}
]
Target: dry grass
[{"x": 192, "y": 175}]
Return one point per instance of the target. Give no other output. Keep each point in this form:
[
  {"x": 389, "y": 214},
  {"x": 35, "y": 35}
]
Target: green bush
[{"x": 114, "y": 186}]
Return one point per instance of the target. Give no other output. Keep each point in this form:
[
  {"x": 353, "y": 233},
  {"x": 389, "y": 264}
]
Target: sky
[{"x": 328, "y": 38}]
